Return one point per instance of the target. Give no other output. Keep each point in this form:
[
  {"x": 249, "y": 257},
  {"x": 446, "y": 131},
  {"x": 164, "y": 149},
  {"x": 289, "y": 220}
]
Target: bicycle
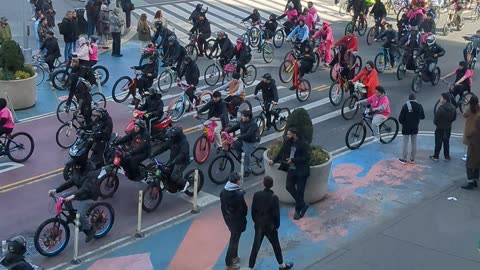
[
  {"x": 192, "y": 47},
  {"x": 338, "y": 88},
  {"x": 402, "y": 65},
  {"x": 59, "y": 77},
  {"x": 41, "y": 68},
  {"x": 267, "y": 48},
  {"x": 470, "y": 54},
  {"x": 342, "y": 9},
  {"x": 374, "y": 32},
  {"x": 461, "y": 103},
  {"x": 221, "y": 163},
  {"x": 52, "y": 236},
  {"x": 320, "y": 52},
  {"x": 358, "y": 131},
  {"x": 279, "y": 37},
  {"x": 202, "y": 146},
  {"x": 289, "y": 70},
  {"x": 452, "y": 21},
  {"x": 357, "y": 65},
  {"x": 349, "y": 108},
  {"x": 361, "y": 27},
  {"x": 215, "y": 71},
  {"x": 475, "y": 13},
  {"x": 178, "y": 106},
  {"x": 280, "y": 116},
  {"x": 295, "y": 53},
  {"x": 166, "y": 78},
  {"x": 10, "y": 144},
  {"x": 252, "y": 35},
  {"x": 421, "y": 75},
  {"x": 125, "y": 87},
  {"x": 383, "y": 57},
  {"x": 149, "y": 51},
  {"x": 64, "y": 112},
  {"x": 69, "y": 129}
]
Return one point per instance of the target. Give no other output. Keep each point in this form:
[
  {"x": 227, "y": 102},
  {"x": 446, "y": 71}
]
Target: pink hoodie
[
  {"x": 325, "y": 34},
  {"x": 291, "y": 15},
  {"x": 380, "y": 103},
  {"x": 93, "y": 52},
  {"x": 313, "y": 11},
  {"x": 5, "y": 113},
  {"x": 309, "y": 20}
]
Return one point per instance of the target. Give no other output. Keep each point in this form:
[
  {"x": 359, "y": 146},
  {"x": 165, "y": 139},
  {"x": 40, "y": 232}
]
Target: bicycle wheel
[
  {"x": 102, "y": 73},
  {"x": 355, "y": 136},
  {"x": 280, "y": 118},
  {"x": 268, "y": 52},
  {"x": 40, "y": 74},
  {"x": 59, "y": 79},
  {"x": 212, "y": 75},
  {"x": 349, "y": 109},
  {"x": 101, "y": 216},
  {"x": 256, "y": 161},
  {"x": 254, "y": 37},
  {"x": 204, "y": 97},
  {"x": 279, "y": 38},
  {"x": 362, "y": 27},
  {"x": 220, "y": 169},
  {"x": 388, "y": 130},
  {"x": 334, "y": 72},
  {"x": 380, "y": 63},
  {"x": 176, "y": 109},
  {"x": 98, "y": 101},
  {"x": 401, "y": 71},
  {"x": 66, "y": 135},
  {"x": 342, "y": 10},
  {"x": 335, "y": 94},
  {"x": 316, "y": 63},
  {"x": 474, "y": 14},
  {"x": 64, "y": 113},
  {"x": 349, "y": 28},
  {"x": 260, "y": 121},
  {"x": 251, "y": 75},
  {"x": 211, "y": 52},
  {"x": 464, "y": 102},
  {"x": 201, "y": 149},
  {"x": 152, "y": 197},
  {"x": 165, "y": 81},
  {"x": 303, "y": 90},
  {"x": 358, "y": 64},
  {"x": 371, "y": 35},
  {"x": 20, "y": 147},
  {"x": 286, "y": 71},
  {"x": 121, "y": 89},
  {"x": 400, "y": 13},
  {"x": 108, "y": 185},
  {"x": 436, "y": 74},
  {"x": 417, "y": 83},
  {"x": 192, "y": 51},
  {"x": 51, "y": 237},
  {"x": 445, "y": 29},
  {"x": 190, "y": 178}
]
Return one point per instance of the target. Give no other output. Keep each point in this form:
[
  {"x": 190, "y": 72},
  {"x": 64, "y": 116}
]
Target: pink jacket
[
  {"x": 325, "y": 34},
  {"x": 412, "y": 13},
  {"x": 93, "y": 52},
  {"x": 380, "y": 103},
  {"x": 292, "y": 15},
  {"x": 309, "y": 20},
  {"x": 313, "y": 12},
  {"x": 5, "y": 113}
]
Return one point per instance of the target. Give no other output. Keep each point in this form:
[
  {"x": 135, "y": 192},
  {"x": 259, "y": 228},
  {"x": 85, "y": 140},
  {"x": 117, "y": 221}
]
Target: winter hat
[{"x": 3, "y": 103}]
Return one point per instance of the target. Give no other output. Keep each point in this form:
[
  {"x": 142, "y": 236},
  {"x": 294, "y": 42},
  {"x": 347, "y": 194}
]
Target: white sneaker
[
  {"x": 464, "y": 158},
  {"x": 187, "y": 184},
  {"x": 376, "y": 139}
]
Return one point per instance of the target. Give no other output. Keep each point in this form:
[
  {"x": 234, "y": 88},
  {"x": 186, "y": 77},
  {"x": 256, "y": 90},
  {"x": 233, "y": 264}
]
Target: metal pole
[
  {"x": 76, "y": 260},
  {"x": 4, "y": 246},
  {"x": 195, "y": 195},
  {"x": 10, "y": 106},
  {"x": 139, "y": 233},
  {"x": 242, "y": 167},
  {"x": 27, "y": 51}
]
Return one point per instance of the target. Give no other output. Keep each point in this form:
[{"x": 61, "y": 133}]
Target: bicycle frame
[{"x": 227, "y": 143}]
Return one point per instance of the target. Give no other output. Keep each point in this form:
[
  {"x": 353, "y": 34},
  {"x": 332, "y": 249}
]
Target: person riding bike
[
  {"x": 428, "y": 25},
  {"x": 350, "y": 41},
  {"x": 179, "y": 155},
  {"x": 308, "y": 59},
  {"x": 415, "y": 16},
  {"x": 236, "y": 93},
  {"x": 149, "y": 73},
  {"x": 301, "y": 34},
  {"x": 379, "y": 14},
  {"x": 202, "y": 27},
  {"x": 139, "y": 144},
  {"x": 243, "y": 54},
  {"x": 271, "y": 26},
  {"x": 174, "y": 54},
  {"x": 292, "y": 16},
  {"x": 217, "y": 112},
  {"x": 153, "y": 107},
  {"x": 369, "y": 78},
  {"x": 475, "y": 39},
  {"x": 380, "y": 108},
  {"x": 411, "y": 42},
  {"x": 255, "y": 17},
  {"x": 161, "y": 35},
  {"x": 390, "y": 43},
  {"x": 327, "y": 40},
  {"x": 102, "y": 128},
  {"x": 80, "y": 88},
  {"x": 359, "y": 8},
  {"x": 269, "y": 96},
  {"x": 431, "y": 51},
  {"x": 196, "y": 14},
  {"x": 312, "y": 10},
  {"x": 459, "y": 6},
  {"x": 14, "y": 258},
  {"x": 308, "y": 19},
  {"x": 6, "y": 119},
  {"x": 343, "y": 59},
  {"x": 247, "y": 139},
  {"x": 52, "y": 51},
  {"x": 463, "y": 80},
  {"x": 192, "y": 74},
  {"x": 225, "y": 45}
]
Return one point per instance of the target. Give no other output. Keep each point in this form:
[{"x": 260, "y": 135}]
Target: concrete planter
[
  {"x": 22, "y": 93},
  {"x": 315, "y": 189}
]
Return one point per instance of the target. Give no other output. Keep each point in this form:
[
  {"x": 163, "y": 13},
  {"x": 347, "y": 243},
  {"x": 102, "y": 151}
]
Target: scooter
[{"x": 156, "y": 128}]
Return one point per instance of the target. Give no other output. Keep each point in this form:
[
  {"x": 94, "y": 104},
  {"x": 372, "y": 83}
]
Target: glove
[{"x": 146, "y": 116}]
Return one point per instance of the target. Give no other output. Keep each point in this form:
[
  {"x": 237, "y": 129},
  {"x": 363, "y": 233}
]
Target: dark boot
[{"x": 470, "y": 185}]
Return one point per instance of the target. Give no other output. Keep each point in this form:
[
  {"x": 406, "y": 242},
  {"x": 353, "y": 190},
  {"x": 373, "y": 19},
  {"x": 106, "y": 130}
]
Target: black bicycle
[
  {"x": 357, "y": 133},
  {"x": 461, "y": 102},
  {"x": 18, "y": 147},
  {"x": 279, "y": 121}
]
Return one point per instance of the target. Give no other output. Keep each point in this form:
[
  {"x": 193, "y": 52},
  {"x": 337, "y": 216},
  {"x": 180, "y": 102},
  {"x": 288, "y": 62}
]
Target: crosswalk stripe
[{"x": 234, "y": 4}]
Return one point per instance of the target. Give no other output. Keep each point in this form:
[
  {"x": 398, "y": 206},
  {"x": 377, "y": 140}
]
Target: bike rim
[
  {"x": 281, "y": 121},
  {"x": 101, "y": 217},
  {"x": 222, "y": 168},
  {"x": 20, "y": 144},
  {"x": 50, "y": 241},
  {"x": 355, "y": 137},
  {"x": 67, "y": 136},
  {"x": 107, "y": 185}
]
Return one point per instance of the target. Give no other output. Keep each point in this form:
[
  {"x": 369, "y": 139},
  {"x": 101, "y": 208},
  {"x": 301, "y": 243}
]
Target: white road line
[{"x": 8, "y": 166}]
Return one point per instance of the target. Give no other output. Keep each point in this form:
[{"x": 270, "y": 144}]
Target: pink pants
[{"x": 327, "y": 48}]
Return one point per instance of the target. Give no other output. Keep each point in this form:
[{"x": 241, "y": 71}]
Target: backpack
[
  {"x": 61, "y": 28},
  {"x": 85, "y": 82}
]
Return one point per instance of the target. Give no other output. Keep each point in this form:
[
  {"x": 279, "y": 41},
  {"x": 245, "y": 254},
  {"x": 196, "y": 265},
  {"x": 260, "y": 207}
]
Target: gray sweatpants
[{"x": 413, "y": 139}]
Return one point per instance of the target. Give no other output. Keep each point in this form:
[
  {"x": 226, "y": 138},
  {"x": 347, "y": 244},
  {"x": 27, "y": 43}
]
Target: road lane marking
[
  {"x": 33, "y": 178},
  {"x": 10, "y": 166}
]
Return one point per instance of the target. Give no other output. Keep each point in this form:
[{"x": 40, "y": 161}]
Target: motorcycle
[
  {"x": 423, "y": 75},
  {"x": 158, "y": 181},
  {"x": 157, "y": 128}
]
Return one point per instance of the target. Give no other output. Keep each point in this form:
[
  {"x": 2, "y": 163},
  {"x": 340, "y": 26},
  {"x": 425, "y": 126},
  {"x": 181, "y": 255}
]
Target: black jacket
[
  {"x": 248, "y": 131},
  {"x": 153, "y": 105},
  {"x": 179, "y": 151},
  {"x": 191, "y": 73},
  {"x": 139, "y": 142},
  {"x": 67, "y": 29},
  {"x": 104, "y": 128},
  {"x": 254, "y": 17},
  {"x": 266, "y": 210},
  {"x": 202, "y": 26},
  {"x": 428, "y": 26},
  {"x": 194, "y": 15},
  {"x": 308, "y": 59},
  {"x": 51, "y": 44},
  {"x": 174, "y": 52},
  {"x": 15, "y": 262},
  {"x": 148, "y": 68},
  {"x": 216, "y": 109},
  {"x": 269, "y": 91},
  {"x": 428, "y": 52},
  {"x": 79, "y": 89},
  {"x": 226, "y": 47},
  {"x": 378, "y": 10},
  {"x": 244, "y": 54},
  {"x": 411, "y": 119},
  {"x": 301, "y": 159},
  {"x": 390, "y": 36},
  {"x": 87, "y": 186},
  {"x": 234, "y": 209},
  {"x": 445, "y": 115}
]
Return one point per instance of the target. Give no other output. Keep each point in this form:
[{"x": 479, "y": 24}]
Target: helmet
[
  {"x": 236, "y": 75},
  {"x": 431, "y": 40},
  {"x": 175, "y": 132},
  {"x": 171, "y": 38},
  {"x": 273, "y": 17},
  {"x": 241, "y": 39},
  {"x": 17, "y": 245},
  {"x": 290, "y": 5},
  {"x": 267, "y": 76},
  {"x": 220, "y": 34},
  {"x": 141, "y": 124}
]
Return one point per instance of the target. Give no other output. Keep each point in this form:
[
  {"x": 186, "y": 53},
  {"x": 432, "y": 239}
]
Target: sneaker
[
  {"x": 303, "y": 211},
  {"x": 470, "y": 185},
  {"x": 448, "y": 158},
  {"x": 236, "y": 260},
  {"x": 288, "y": 265},
  {"x": 90, "y": 234},
  {"x": 403, "y": 161},
  {"x": 187, "y": 184},
  {"x": 464, "y": 158},
  {"x": 412, "y": 161},
  {"x": 434, "y": 158},
  {"x": 376, "y": 139}
]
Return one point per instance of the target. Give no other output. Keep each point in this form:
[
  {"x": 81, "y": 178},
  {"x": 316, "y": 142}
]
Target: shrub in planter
[{"x": 12, "y": 62}]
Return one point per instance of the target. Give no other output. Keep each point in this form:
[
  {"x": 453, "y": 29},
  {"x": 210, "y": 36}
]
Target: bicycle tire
[
  {"x": 358, "y": 64},
  {"x": 280, "y": 36},
  {"x": 305, "y": 88},
  {"x": 201, "y": 149},
  {"x": 154, "y": 193},
  {"x": 316, "y": 64},
  {"x": 359, "y": 127},
  {"x": 333, "y": 72},
  {"x": 371, "y": 35},
  {"x": 116, "y": 95},
  {"x": 256, "y": 161},
  {"x": 465, "y": 101},
  {"x": 437, "y": 74},
  {"x": 65, "y": 128},
  {"x": 212, "y": 53},
  {"x": 251, "y": 74},
  {"x": 59, "y": 79},
  {"x": 380, "y": 62},
  {"x": 103, "y": 231},
  {"x": 282, "y": 114},
  {"x": 212, "y": 75},
  {"x": 385, "y": 127},
  {"x": 40, "y": 74},
  {"x": 349, "y": 104},
  {"x": 254, "y": 37},
  {"x": 14, "y": 140},
  {"x": 190, "y": 178},
  {"x": 268, "y": 53},
  {"x": 362, "y": 30},
  {"x": 286, "y": 66},
  {"x": 103, "y": 73},
  {"x": 62, "y": 115},
  {"x": 260, "y": 121},
  {"x": 176, "y": 105},
  {"x": 223, "y": 161},
  {"x": 192, "y": 52},
  {"x": 98, "y": 101},
  {"x": 335, "y": 94},
  {"x": 400, "y": 13},
  {"x": 342, "y": 9},
  {"x": 401, "y": 71},
  {"x": 417, "y": 82},
  {"x": 165, "y": 81},
  {"x": 36, "y": 238}
]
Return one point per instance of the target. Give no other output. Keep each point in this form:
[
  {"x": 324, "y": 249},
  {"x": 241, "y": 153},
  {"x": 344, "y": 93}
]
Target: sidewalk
[{"x": 378, "y": 214}]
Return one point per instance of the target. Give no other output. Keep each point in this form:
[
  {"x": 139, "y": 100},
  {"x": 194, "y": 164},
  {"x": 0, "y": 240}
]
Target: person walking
[
  {"x": 67, "y": 29},
  {"x": 127, "y": 7},
  {"x": 443, "y": 119},
  {"x": 266, "y": 216},
  {"x": 471, "y": 138},
  {"x": 234, "y": 211},
  {"x": 5, "y": 32},
  {"x": 143, "y": 30},
  {"x": 115, "y": 28},
  {"x": 410, "y": 116},
  {"x": 104, "y": 25},
  {"x": 295, "y": 159}
]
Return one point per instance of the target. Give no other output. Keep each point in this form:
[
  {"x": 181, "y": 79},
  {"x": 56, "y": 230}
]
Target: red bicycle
[{"x": 289, "y": 70}]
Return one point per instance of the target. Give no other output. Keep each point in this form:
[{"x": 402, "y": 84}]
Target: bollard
[
  {"x": 76, "y": 260},
  {"x": 195, "y": 195},
  {"x": 4, "y": 247},
  {"x": 99, "y": 83},
  {"x": 10, "y": 106},
  {"x": 139, "y": 233},
  {"x": 242, "y": 168}
]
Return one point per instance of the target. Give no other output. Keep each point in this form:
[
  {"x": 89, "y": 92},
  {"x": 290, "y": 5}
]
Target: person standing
[
  {"x": 410, "y": 116},
  {"x": 266, "y": 216},
  {"x": 471, "y": 138},
  {"x": 159, "y": 18},
  {"x": 295, "y": 156},
  {"x": 91, "y": 17},
  {"x": 443, "y": 119},
  {"x": 43, "y": 30},
  {"x": 5, "y": 32},
  {"x": 67, "y": 29},
  {"x": 234, "y": 211},
  {"x": 127, "y": 7},
  {"x": 77, "y": 29},
  {"x": 36, "y": 24},
  {"x": 104, "y": 25},
  {"x": 115, "y": 28},
  {"x": 49, "y": 12},
  {"x": 143, "y": 30}
]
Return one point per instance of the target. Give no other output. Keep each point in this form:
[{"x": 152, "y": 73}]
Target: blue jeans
[
  {"x": 90, "y": 26},
  {"x": 69, "y": 47}
]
